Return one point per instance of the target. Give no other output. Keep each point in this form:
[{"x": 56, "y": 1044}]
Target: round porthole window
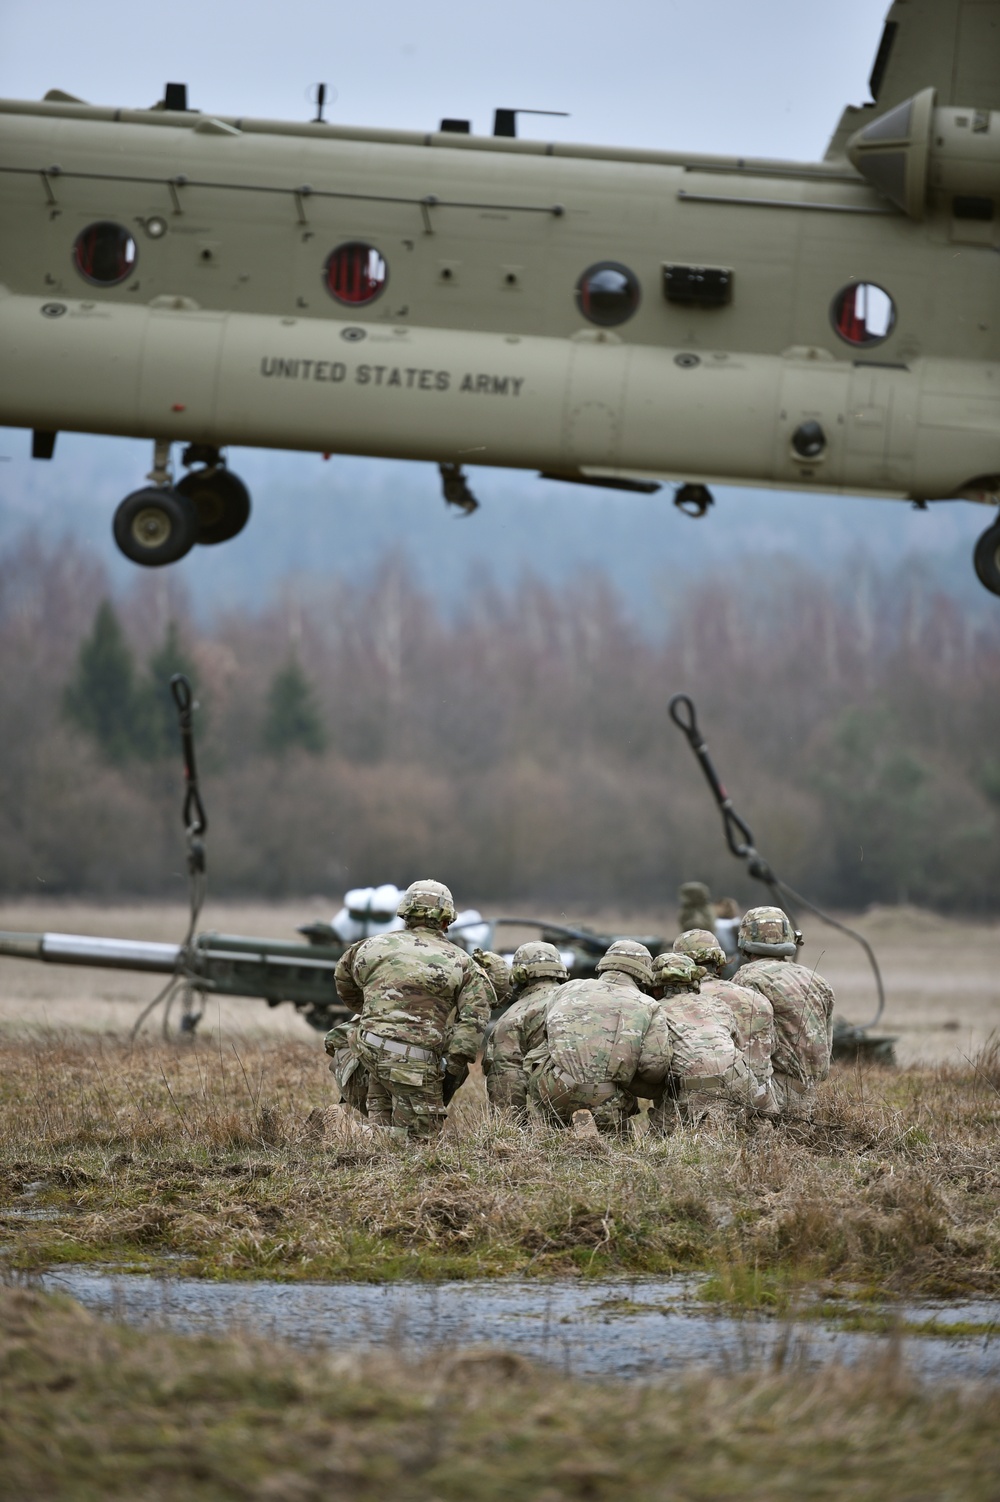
[
  {"x": 355, "y": 273},
  {"x": 607, "y": 293},
  {"x": 863, "y": 313},
  {"x": 105, "y": 253}
]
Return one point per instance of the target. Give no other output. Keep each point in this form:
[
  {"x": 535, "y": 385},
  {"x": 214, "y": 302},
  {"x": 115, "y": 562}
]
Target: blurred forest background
[{"x": 514, "y": 743}]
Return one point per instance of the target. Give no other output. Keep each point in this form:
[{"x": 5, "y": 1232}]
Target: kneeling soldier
[
  {"x": 424, "y": 1004},
  {"x": 605, "y": 1043},
  {"x": 749, "y": 1009},
  {"x": 802, "y": 1002},
  {"x": 707, "y": 1069},
  {"x": 537, "y": 972}
]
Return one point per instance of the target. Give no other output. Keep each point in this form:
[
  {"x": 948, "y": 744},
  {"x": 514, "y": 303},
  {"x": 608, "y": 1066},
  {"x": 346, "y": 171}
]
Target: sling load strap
[
  {"x": 195, "y": 825},
  {"x": 739, "y": 838}
]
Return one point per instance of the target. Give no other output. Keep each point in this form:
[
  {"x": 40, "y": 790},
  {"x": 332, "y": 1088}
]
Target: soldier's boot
[{"x": 584, "y": 1126}]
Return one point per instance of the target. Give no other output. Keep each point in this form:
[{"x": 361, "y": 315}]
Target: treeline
[{"x": 518, "y": 747}]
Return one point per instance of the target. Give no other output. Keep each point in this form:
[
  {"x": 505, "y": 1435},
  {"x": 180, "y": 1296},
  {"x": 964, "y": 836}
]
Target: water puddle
[{"x": 623, "y": 1329}]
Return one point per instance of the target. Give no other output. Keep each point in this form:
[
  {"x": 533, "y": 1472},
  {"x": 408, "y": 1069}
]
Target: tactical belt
[
  {"x": 405, "y": 1050},
  {"x": 594, "y": 1095}
]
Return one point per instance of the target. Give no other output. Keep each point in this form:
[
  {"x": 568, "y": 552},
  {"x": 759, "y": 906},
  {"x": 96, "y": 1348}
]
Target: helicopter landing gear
[
  {"x": 220, "y": 499},
  {"x": 455, "y": 488},
  {"x": 155, "y": 525},
  {"x": 693, "y": 500},
  {"x": 987, "y": 558},
  {"x": 162, "y": 522}
]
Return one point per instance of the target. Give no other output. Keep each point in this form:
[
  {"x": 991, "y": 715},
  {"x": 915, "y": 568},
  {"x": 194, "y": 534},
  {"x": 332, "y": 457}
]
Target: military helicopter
[{"x": 623, "y": 318}]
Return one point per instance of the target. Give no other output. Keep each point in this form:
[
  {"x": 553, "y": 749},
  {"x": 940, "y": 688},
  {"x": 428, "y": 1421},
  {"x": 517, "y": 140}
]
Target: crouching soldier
[
  {"x": 750, "y": 1010},
  {"x": 345, "y": 1066},
  {"x": 605, "y": 1044},
  {"x": 424, "y": 1005},
  {"x": 802, "y": 1003},
  {"x": 537, "y": 972},
  {"x": 707, "y": 1070}
]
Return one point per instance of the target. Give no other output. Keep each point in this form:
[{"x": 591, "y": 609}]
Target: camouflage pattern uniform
[
  {"x": 802, "y": 1003},
  {"x": 424, "y": 1004},
  {"x": 605, "y": 1043},
  {"x": 537, "y": 972},
  {"x": 707, "y": 1069},
  {"x": 497, "y": 972},
  {"x": 750, "y": 1010},
  {"x": 696, "y": 906},
  {"x": 345, "y": 1066}
]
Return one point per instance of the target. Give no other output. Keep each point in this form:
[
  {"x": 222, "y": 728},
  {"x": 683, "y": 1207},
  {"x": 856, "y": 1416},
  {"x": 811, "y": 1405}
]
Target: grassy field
[
  {"x": 93, "y": 1411},
  {"x": 229, "y": 1161}
]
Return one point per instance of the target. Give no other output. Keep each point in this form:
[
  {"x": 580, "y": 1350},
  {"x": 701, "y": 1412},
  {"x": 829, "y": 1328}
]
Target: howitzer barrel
[
  {"x": 271, "y": 970},
  {"x": 82, "y": 949}
]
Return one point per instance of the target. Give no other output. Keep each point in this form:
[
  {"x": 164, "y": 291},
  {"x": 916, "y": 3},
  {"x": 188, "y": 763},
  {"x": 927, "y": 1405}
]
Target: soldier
[
  {"x": 496, "y": 971},
  {"x": 537, "y": 972},
  {"x": 750, "y": 1010},
  {"x": 345, "y": 1066},
  {"x": 696, "y": 906},
  {"x": 424, "y": 1004},
  {"x": 802, "y": 1002},
  {"x": 706, "y": 1067},
  {"x": 605, "y": 1043}
]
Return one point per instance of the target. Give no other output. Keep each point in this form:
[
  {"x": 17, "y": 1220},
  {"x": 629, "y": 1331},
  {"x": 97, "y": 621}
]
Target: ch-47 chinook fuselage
[{"x": 617, "y": 317}]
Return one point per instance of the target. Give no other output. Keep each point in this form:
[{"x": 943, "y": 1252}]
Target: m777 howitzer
[{"x": 271, "y": 970}]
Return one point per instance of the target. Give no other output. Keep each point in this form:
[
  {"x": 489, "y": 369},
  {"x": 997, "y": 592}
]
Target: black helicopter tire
[
  {"x": 155, "y": 526},
  {"x": 222, "y": 503},
  {"x": 987, "y": 559}
]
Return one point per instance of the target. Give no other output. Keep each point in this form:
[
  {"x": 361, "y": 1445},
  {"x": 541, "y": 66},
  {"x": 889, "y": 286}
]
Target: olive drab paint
[{"x": 592, "y": 313}]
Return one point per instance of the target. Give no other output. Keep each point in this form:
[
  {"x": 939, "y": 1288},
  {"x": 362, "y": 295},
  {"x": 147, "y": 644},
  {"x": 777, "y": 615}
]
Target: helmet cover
[
  {"x": 702, "y": 947},
  {"x": 537, "y": 960},
  {"x": 768, "y": 931},
  {"x": 631, "y": 957},
  {"x": 429, "y": 901},
  {"x": 673, "y": 969}
]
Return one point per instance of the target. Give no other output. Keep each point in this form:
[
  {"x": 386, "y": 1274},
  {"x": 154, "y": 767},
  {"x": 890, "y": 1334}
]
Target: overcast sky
[{"x": 714, "y": 75}]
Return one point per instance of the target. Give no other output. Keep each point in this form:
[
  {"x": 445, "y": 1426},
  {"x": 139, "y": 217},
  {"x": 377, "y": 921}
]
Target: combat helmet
[
  {"x": 704, "y": 949},
  {"x": 497, "y": 971},
  {"x": 673, "y": 969},
  {"x": 429, "y": 901},
  {"x": 631, "y": 957},
  {"x": 768, "y": 931},
  {"x": 537, "y": 960}
]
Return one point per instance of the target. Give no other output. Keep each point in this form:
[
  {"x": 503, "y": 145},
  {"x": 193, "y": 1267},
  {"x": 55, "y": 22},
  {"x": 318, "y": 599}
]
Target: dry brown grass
[
  {"x": 95, "y": 1411},
  {"x": 232, "y": 1163}
]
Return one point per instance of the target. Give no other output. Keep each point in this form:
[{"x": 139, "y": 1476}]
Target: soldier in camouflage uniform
[
  {"x": 537, "y": 972},
  {"x": 706, "y": 1071},
  {"x": 345, "y": 1066},
  {"x": 497, "y": 972},
  {"x": 696, "y": 906},
  {"x": 424, "y": 1004},
  {"x": 605, "y": 1043},
  {"x": 802, "y": 1003},
  {"x": 750, "y": 1010}
]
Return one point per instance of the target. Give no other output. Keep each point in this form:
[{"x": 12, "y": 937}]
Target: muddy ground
[{"x": 942, "y": 975}]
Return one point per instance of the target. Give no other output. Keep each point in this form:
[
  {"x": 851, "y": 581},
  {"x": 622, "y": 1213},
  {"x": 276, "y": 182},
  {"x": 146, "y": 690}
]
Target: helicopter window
[
  {"x": 863, "y": 313},
  {"x": 355, "y": 273},
  {"x": 607, "y": 293},
  {"x": 105, "y": 253}
]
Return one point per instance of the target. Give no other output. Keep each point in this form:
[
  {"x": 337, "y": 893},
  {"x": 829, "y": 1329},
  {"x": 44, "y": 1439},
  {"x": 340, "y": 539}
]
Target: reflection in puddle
[{"x": 623, "y": 1329}]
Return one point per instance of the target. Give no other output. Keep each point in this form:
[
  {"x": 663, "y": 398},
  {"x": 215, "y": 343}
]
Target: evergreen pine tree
[
  {"x": 292, "y": 717},
  {"x": 101, "y": 697}
]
